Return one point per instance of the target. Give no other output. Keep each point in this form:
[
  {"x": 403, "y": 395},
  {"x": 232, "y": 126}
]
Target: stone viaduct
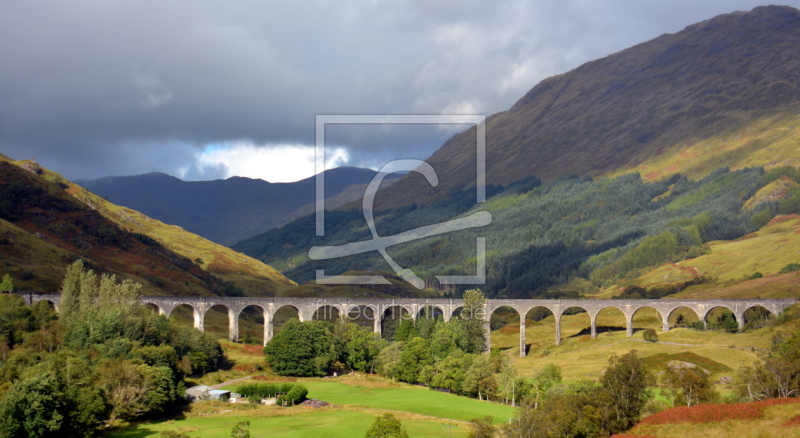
[{"x": 367, "y": 308}]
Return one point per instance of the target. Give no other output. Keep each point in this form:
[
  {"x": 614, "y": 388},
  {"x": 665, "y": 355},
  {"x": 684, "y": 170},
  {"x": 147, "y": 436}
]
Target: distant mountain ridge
[
  {"x": 686, "y": 102},
  {"x": 223, "y": 211}
]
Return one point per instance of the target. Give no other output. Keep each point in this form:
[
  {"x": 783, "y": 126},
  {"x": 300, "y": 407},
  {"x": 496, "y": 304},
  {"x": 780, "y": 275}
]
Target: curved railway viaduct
[{"x": 413, "y": 308}]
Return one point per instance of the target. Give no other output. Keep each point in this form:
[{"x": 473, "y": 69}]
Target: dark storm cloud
[{"x": 102, "y": 88}]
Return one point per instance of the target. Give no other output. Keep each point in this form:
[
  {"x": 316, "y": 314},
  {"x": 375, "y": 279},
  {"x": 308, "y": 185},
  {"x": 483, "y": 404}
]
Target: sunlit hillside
[
  {"x": 252, "y": 276},
  {"x": 731, "y": 264}
]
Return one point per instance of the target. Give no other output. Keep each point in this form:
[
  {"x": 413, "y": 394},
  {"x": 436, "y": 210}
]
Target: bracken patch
[
  {"x": 711, "y": 413},
  {"x": 794, "y": 421}
]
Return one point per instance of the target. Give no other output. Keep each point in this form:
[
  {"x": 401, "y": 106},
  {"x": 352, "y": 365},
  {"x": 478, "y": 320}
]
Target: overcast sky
[{"x": 206, "y": 90}]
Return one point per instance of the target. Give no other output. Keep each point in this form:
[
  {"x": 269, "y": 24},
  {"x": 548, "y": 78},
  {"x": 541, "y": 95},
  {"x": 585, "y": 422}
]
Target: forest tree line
[{"x": 103, "y": 357}]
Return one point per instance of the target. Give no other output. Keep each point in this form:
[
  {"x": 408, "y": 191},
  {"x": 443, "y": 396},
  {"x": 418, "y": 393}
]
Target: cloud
[
  {"x": 154, "y": 92},
  {"x": 267, "y": 162},
  {"x": 126, "y": 87}
]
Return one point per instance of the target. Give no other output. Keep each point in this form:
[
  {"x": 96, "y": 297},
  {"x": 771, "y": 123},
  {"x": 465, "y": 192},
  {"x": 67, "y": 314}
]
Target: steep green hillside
[
  {"x": 48, "y": 222},
  {"x": 722, "y": 92},
  {"x": 543, "y": 237}
]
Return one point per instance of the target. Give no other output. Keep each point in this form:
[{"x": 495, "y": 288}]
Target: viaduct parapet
[{"x": 368, "y": 308}]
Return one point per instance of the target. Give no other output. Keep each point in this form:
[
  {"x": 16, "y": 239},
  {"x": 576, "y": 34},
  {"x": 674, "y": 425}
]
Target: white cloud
[{"x": 273, "y": 163}]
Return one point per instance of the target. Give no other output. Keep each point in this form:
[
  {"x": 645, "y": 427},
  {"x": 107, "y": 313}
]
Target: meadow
[{"x": 357, "y": 401}]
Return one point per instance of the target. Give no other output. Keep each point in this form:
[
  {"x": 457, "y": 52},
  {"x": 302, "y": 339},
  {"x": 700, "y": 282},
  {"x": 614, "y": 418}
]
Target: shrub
[
  {"x": 145, "y": 239},
  {"x": 791, "y": 267},
  {"x": 387, "y": 426},
  {"x": 650, "y": 335},
  {"x": 295, "y": 395}
]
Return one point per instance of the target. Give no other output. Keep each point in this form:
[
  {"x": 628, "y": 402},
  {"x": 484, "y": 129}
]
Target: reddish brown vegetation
[
  {"x": 711, "y": 413},
  {"x": 510, "y": 329},
  {"x": 794, "y": 421},
  {"x": 275, "y": 379},
  {"x": 245, "y": 367},
  {"x": 784, "y": 218},
  {"x": 253, "y": 350}
]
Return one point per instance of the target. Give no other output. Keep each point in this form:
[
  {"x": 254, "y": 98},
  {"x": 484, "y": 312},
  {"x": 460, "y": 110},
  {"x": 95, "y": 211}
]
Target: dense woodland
[
  {"x": 544, "y": 236},
  {"x": 103, "y": 357}
]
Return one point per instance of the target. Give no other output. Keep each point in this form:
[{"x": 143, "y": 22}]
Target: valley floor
[{"x": 424, "y": 412}]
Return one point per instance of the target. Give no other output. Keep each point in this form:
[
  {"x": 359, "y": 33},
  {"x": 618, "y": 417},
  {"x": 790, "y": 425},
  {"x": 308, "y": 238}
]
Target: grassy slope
[
  {"x": 292, "y": 423},
  {"x": 581, "y": 358},
  {"x": 23, "y": 251},
  {"x": 766, "y": 251},
  {"x": 768, "y": 141},
  {"x": 358, "y": 401},
  {"x": 379, "y": 393},
  {"x": 253, "y": 276}
]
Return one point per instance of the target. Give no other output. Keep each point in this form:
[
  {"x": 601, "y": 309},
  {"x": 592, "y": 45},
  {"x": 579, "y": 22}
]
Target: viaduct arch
[{"x": 448, "y": 307}]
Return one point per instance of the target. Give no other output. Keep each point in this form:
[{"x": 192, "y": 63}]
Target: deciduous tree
[{"x": 386, "y": 426}]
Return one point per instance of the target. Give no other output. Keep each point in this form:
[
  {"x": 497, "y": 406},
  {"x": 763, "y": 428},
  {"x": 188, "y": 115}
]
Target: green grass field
[
  {"x": 296, "y": 423},
  {"x": 379, "y": 393},
  {"x": 357, "y": 401}
]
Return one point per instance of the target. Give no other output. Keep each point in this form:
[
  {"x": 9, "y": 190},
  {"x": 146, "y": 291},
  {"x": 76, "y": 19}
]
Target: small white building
[{"x": 203, "y": 392}]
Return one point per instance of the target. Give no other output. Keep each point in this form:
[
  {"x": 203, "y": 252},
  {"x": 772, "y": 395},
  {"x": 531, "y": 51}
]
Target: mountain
[
  {"x": 225, "y": 211},
  {"x": 722, "y": 92},
  {"x": 649, "y": 157},
  {"x": 48, "y": 222}
]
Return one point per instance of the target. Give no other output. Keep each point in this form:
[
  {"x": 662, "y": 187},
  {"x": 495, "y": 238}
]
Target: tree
[
  {"x": 581, "y": 409},
  {"x": 446, "y": 338},
  {"x": 406, "y": 330},
  {"x": 416, "y": 355},
  {"x": 301, "y": 349},
  {"x": 777, "y": 375},
  {"x": 688, "y": 386},
  {"x": 241, "y": 430},
  {"x": 627, "y": 381},
  {"x": 450, "y": 371},
  {"x": 7, "y": 284},
  {"x": 95, "y": 309},
  {"x": 127, "y": 388},
  {"x": 546, "y": 378},
  {"x": 478, "y": 378},
  {"x": 473, "y": 317},
  {"x": 386, "y": 426},
  {"x": 15, "y": 319},
  {"x": 32, "y": 407},
  {"x": 481, "y": 428},
  {"x": 389, "y": 358},
  {"x": 507, "y": 382},
  {"x": 359, "y": 346}
]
